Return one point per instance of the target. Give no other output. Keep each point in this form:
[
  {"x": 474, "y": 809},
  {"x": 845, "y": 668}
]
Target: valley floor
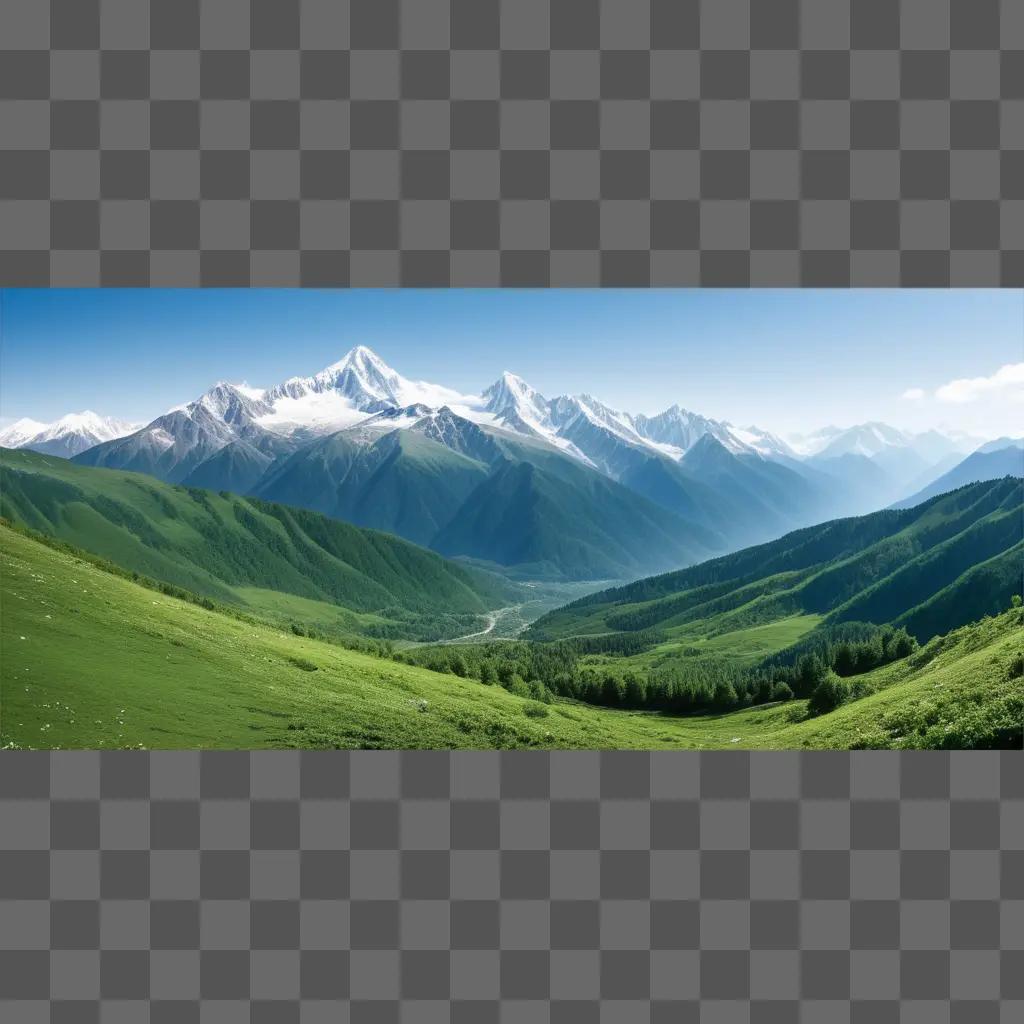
[{"x": 91, "y": 660}]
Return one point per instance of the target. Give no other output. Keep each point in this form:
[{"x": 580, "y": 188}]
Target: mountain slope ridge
[
  {"x": 225, "y": 546},
  {"x": 886, "y": 566}
]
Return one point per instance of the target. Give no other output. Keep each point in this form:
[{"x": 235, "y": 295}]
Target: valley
[
  {"x": 97, "y": 661},
  {"x": 539, "y": 598}
]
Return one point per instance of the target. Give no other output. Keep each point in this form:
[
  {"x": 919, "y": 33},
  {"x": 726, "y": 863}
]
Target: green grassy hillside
[
  {"x": 248, "y": 552},
  {"x": 89, "y": 659},
  {"x": 931, "y": 568}
]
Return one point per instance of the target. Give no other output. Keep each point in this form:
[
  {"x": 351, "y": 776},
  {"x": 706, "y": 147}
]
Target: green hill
[
  {"x": 89, "y": 659},
  {"x": 931, "y": 568},
  {"x": 290, "y": 563}
]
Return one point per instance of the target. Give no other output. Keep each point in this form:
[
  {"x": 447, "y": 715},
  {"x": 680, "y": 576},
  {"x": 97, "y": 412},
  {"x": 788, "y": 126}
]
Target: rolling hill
[
  {"x": 255, "y": 554},
  {"x": 92, "y": 660}
]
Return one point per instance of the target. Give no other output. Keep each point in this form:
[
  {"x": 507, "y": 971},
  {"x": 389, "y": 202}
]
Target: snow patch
[{"x": 321, "y": 411}]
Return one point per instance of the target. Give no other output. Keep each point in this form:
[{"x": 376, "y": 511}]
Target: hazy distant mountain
[
  {"x": 65, "y": 437},
  {"x": 866, "y": 484},
  {"x": 763, "y": 497},
  {"x": 988, "y": 463},
  {"x": 870, "y": 439},
  {"x": 1001, "y": 443}
]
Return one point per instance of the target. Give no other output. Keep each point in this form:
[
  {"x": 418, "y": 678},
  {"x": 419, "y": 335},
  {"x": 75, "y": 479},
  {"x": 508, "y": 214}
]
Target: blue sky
[{"x": 786, "y": 360}]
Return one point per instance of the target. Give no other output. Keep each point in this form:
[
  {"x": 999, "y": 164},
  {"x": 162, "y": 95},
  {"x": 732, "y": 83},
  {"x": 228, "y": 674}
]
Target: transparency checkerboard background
[
  {"x": 477, "y": 887},
  {"x": 527, "y": 142},
  {"x": 512, "y": 142}
]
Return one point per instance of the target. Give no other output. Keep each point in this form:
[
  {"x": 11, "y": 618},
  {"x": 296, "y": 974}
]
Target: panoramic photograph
[{"x": 511, "y": 519}]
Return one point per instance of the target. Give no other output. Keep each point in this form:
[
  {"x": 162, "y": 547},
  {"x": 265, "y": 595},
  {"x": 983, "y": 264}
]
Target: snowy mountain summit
[
  {"x": 361, "y": 376},
  {"x": 514, "y": 403},
  {"x": 67, "y": 436}
]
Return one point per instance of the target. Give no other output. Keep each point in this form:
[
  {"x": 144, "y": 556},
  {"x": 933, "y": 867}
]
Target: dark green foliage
[
  {"x": 985, "y": 589},
  {"x": 304, "y": 663},
  {"x": 623, "y": 644},
  {"x": 828, "y": 694},
  {"x": 681, "y": 686},
  {"x": 536, "y": 710}
]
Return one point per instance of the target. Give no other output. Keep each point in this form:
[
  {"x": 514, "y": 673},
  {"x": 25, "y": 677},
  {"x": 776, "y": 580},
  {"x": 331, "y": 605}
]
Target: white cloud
[
  {"x": 1006, "y": 382},
  {"x": 913, "y": 394}
]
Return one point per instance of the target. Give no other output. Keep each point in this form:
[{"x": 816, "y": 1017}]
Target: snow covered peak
[
  {"x": 362, "y": 377},
  {"x": 363, "y": 362},
  {"x": 362, "y": 358},
  {"x": 682, "y": 429},
  {"x": 88, "y": 424},
  {"x": 359, "y": 384},
  {"x": 761, "y": 441},
  {"x": 596, "y": 412},
  {"x": 510, "y": 393},
  {"x": 67, "y": 436},
  {"x": 231, "y": 404},
  {"x": 517, "y": 405},
  {"x": 17, "y": 433}
]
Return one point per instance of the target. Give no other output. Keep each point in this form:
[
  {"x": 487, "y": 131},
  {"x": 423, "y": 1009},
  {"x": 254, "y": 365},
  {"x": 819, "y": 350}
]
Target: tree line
[{"x": 819, "y": 668}]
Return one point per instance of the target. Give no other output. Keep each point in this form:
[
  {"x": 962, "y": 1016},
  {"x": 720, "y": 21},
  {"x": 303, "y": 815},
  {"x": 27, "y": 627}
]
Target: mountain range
[
  {"x": 555, "y": 487},
  {"x": 66, "y": 437}
]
